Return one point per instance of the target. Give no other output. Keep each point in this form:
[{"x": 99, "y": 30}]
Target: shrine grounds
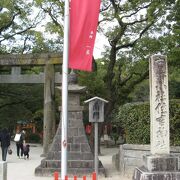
[{"x": 20, "y": 169}]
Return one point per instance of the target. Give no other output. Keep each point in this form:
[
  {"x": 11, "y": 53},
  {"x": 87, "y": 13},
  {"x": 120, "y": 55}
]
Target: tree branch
[
  {"x": 138, "y": 80},
  {"x": 137, "y": 21},
  {"x": 104, "y": 8},
  {"x": 105, "y": 19},
  {"x": 33, "y": 25},
  {"x": 136, "y": 11},
  {"x": 131, "y": 44},
  {"x": 19, "y": 32},
  {"x": 48, "y": 11},
  {"x": 125, "y": 80},
  {"x": 9, "y": 23},
  {"x": 24, "y": 44},
  {"x": 11, "y": 104}
]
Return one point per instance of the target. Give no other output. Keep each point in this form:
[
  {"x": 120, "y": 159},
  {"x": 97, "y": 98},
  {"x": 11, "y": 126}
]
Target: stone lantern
[{"x": 80, "y": 157}]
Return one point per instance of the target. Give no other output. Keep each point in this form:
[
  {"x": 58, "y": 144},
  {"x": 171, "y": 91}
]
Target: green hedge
[
  {"x": 174, "y": 122},
  {"x": 34, "y": 138},
  {"x": 135, "y": 119}
]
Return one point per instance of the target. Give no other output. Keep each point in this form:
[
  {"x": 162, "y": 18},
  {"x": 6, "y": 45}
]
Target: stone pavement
[{"x": 20, "y": 169}]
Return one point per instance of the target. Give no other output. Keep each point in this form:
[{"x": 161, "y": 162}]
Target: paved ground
[{"x": 20, "y": 169}]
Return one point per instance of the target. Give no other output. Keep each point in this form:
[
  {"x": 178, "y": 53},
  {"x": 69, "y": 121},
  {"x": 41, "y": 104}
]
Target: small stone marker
[{"x": 3, "y": 170}]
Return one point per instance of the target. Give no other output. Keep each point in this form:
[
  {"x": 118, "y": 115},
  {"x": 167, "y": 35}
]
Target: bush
[
  {"x": 174, "y": 115},
  {"x": 34, "y": 138},
  {"x": 135, "y": 119}
]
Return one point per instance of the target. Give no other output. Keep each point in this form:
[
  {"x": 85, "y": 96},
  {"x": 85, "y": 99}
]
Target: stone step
[
  {"x": 39, "y": 171},
  {"x": 56, "y": 155},
  {"x": 73, "y": 147},
  {"x": 71, "y": 164}
]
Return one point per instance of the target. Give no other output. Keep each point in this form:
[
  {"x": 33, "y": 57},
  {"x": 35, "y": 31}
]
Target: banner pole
[{"x": 64, "y": 115}]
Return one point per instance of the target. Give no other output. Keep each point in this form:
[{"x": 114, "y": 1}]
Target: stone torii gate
[
  {"x": 80, "y": 160},
  {"x": 48, "y": 78}
]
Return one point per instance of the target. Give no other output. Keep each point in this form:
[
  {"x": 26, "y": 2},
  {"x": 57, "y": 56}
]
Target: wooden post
[{"x": 96, "y": 160}]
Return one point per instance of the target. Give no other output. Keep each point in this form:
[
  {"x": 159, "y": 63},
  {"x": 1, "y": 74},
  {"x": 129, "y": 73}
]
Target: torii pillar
[{"x": 49, "y": 107}]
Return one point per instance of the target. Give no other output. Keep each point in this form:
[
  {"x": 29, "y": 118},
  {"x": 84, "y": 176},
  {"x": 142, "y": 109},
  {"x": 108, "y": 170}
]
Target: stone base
[
  {"x": 158, "y": 167},
  {"x": 75, "y": 167},
  {"x": 161, "y": 163},
  {"x": 39, "y": 171},
  {"x": 143, "y": 174},
  {"x": 79, "y": 155}
]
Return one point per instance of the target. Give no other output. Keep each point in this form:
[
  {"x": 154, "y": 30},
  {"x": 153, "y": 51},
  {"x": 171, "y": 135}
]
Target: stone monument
[
  {"x": 80, "y": 157},
  {"x": 160, "y": 164}
]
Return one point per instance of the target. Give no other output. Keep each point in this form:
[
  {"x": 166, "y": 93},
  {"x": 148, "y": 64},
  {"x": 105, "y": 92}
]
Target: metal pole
[
  {"x": 64, "y": 118},
  {"x": 96, "y": 161}
]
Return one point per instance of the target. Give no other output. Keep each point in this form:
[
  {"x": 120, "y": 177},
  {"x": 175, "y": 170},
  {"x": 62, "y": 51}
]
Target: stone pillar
[
  {"x": 16, "y": 70},
  {"x": 159, "y": 165},
  {"x": 3, "y": 170},
  {"x": 80, "y": 158},
  {"x": 49, "y": 107},
  {"x": 159, "y": 105}
]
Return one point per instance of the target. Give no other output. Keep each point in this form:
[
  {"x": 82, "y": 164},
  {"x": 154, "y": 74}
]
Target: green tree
[
  {"x": 174, "y": 52},
  {"x": 17, "y": 18},
  {"x": 135, "y": 30},
  {"x": 19, "y": 102},
  {"x": 138, "y": 26}
]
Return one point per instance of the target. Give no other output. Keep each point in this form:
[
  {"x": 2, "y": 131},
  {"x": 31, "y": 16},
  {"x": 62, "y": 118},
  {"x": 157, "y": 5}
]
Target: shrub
[
  {"x": 135, "y": 119},
  {"x": 34, "y": 138},
  {"x": 174, "y": 115}
]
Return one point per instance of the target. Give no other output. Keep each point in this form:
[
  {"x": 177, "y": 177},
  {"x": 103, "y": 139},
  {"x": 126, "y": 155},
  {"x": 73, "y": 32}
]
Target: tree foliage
[
  {"x": 22, "y": 29},
  {"x": 17, "y": 17},
  {"x": 136, "y": 34},
  {"x": 19, "y": 102},
  {"x": 134, "y": 30}
]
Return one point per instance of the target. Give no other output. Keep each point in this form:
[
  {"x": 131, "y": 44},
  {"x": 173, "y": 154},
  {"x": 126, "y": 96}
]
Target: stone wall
[{"x": 131, "y": 156}]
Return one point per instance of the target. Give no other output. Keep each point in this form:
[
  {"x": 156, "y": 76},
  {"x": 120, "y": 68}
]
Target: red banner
[{"x": 83, "y": 26}]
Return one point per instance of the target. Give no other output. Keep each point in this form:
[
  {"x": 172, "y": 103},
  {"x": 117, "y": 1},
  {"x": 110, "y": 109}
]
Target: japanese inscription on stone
[{"x": 159, "y": 105}]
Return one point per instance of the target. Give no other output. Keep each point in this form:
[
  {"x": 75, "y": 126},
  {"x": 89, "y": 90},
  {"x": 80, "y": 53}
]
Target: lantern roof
[{"x": 96, "y": 98}]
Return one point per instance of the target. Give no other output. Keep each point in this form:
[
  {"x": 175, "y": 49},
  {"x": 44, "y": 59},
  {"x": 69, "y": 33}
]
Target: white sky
[{"x": 99, "y": 45}]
